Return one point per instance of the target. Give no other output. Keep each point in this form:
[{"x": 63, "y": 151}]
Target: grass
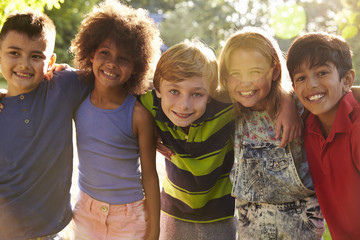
[{"x": 326, "y": 235}]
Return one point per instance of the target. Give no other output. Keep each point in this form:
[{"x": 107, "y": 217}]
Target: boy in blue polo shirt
[{"x": 36, "y": 131}]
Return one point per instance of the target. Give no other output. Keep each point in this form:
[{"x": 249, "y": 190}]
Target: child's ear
[
  {"x": 92, "y": 57},
  {"x": 51, "y": 62},
  {"x": 276, "y": 72},
  {"x": 158, "y": 94},
  {"x": 348, "y": 80}
]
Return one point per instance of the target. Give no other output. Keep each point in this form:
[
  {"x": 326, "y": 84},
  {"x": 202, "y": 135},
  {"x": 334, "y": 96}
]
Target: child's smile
[
  {"x": 250, "y": 78},
  {"x": 319, "y": 89},
  {"x": 24, "y": 62},
  {"x": 185, "y": 101},
  {"x": 112, "y": 66}
]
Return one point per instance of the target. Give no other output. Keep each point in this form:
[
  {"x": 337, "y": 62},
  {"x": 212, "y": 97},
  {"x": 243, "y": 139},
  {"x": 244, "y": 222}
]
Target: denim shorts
[{"x": 300, "y": 220}]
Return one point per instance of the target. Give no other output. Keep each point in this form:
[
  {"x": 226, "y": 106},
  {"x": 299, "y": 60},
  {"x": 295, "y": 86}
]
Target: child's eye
[
  {"x": 234, "y": 74},
  {"x": 38, "y": 57},
  {"x": 14, "y": 53},
  {"x": 174, "y": 92},
  {"x": 299, "y": 79},
  {"x": 255, "y": 72},
  {"x": 323, "y": 73},
  {"x": 105, "y": 53},
  {"x": 124, "y": 59},
  {"x": 197, "y": 95}
]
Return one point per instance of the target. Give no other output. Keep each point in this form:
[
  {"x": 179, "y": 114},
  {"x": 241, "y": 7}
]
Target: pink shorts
[{"x": 93, "y": 219}]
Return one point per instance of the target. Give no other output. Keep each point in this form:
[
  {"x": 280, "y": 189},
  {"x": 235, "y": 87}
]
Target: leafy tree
[
  {"x": 67, "y": 20},
  {"x": 349, "y": 18},
  {"x": 9, "y": 6}
]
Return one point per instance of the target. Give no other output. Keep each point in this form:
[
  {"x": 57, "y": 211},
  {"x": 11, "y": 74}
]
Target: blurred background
[{"x": 212, "y": 21}]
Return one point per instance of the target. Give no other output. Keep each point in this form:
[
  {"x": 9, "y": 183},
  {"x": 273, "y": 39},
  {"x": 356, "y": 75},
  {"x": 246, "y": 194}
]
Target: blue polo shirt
[{"x": 36, "y": 155}]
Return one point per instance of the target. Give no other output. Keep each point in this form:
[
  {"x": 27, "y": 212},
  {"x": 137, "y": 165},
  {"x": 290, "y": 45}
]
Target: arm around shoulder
[{"x": 143, "y": 127}]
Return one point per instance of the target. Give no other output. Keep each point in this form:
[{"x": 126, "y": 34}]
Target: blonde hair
[
  {"x": 185, "y": 60},
  {"x": 259, "y": 40}
]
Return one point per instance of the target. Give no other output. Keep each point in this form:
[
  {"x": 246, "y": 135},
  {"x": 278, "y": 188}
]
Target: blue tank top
[{"x": 109, "y": 167}]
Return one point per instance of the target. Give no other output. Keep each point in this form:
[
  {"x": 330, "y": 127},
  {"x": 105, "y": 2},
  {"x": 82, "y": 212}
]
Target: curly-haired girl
[{"x": 114, "y": 49}]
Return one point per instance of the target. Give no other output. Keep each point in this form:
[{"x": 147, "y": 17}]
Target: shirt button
[
  {"x": 22, "y": 97},
  {"x": 104, "y": 208},
  {"x": 25, "y": 109},
  {"x": 27, "y": 121},
  {"x": 186, "y": 137}
]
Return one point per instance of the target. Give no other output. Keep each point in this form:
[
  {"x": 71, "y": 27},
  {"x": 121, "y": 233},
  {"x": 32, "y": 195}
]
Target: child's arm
[
  {"x": 288, "y": 121},
  {"x": 143, "y": 127},
  {"x": 160, "y": 147},
  {"x": 2, "y": 95}
]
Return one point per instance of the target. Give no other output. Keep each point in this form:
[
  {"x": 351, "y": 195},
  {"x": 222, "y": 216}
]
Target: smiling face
[
  {"x": 320, "y": 88},
  {"x": 112, "y": 66},
  {"x": 185, "y": 101},
  {"x": 24, "y": 61},
  {"x": 250, "y": 78}
]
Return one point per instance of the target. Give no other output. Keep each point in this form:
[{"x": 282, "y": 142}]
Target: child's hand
[
  {"x": 288, "y": 122},
  {"x": 2, "y": 95},
  {"x": 56, "y": 67},
  {"x": 161, "y": 148}
]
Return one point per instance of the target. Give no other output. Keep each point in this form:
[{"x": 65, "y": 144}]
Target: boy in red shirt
[{"x": 320, "y": 66}]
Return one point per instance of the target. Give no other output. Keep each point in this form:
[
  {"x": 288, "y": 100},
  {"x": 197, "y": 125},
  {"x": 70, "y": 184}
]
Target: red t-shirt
[{"x": 335, "y": 168}]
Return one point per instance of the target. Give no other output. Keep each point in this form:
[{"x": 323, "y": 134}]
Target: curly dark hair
[{"x": 131, "y": 29}]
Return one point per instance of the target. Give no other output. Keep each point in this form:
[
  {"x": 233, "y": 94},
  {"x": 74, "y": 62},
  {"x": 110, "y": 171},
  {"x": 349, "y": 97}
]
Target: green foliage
[
  {"x": 9, "y": 6},
  {"x": 205, "y": 20},
  {"x": 349, "y": 19},
  {"x": 288, "y": 21},
  {"x": 326, "y": 235},
  {"x": 67, "y": 20}
]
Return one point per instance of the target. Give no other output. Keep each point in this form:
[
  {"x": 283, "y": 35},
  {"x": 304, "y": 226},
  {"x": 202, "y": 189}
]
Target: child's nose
[
  {"x": 312, "y": 82},
  {"x": 24, "y": 63},
  {"x": 184, "y": 102}
]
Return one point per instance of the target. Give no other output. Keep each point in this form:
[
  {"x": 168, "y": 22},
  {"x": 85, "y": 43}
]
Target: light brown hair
[
  {"x": 185, "y": 60},
  {"x": 260, "y": 41}
]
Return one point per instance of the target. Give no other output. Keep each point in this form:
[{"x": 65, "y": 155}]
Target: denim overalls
[{"x": 272, "y": 200}]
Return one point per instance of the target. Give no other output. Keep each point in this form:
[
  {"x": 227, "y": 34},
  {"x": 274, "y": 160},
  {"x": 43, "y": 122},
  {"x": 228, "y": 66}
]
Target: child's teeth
[
  {"x": 316, "y": 97},
  {"x": 248, "y": 93}
]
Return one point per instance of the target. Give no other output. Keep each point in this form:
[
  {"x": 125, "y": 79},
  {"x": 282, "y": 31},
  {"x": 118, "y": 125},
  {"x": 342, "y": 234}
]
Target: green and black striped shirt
[{"x": 197, "y": 187}]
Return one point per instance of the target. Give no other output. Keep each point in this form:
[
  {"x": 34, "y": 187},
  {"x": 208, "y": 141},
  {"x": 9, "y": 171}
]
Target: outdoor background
[{"x": 211, "y": 21}]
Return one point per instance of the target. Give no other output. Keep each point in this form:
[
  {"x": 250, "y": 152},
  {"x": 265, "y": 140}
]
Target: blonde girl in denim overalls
[{"x": 275, "y": 198}]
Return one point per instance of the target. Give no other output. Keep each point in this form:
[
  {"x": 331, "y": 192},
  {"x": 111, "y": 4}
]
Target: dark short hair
[
  {"x": 33, "y": 24},
  {"x": 316, "y": 49}
]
